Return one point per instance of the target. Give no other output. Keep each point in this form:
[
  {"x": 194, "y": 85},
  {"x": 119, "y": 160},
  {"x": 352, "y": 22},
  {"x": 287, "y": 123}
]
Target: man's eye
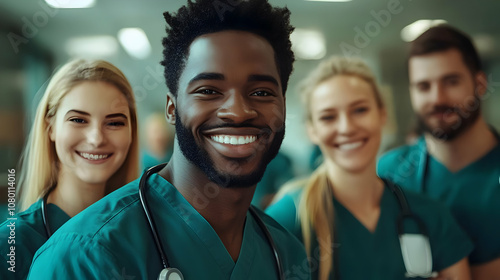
[
  {"x": 261, "y": 93},
  {"x": 423, "y": 87},
  {"x": 207, "y": 91},
  {"x": 453, "y": 81}
]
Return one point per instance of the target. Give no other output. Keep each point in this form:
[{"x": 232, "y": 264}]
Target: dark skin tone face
[{"x": 230, "y": 104}]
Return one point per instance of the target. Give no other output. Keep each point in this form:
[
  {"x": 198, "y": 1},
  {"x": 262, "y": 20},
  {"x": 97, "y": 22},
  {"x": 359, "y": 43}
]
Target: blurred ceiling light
[
  {"x": 70, "y": 4},
  {"x": 92, "y": 46},
  {"x": 413, "y": 30},
  {"x": 135, "y": 42},
  {"x": 484, "y": 43},
  {"x": 308, "y": 44},
  {"x": 328, "y": 0}
]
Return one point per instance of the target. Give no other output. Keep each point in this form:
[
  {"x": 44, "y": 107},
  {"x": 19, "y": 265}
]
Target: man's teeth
[
  {"x": 93, "y": 157},
  {"x": 233, "y": 140},
  {"x": 350, "y": 146}
]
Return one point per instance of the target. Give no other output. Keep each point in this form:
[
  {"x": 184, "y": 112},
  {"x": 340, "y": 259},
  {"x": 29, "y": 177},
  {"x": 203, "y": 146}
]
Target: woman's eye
[
  {"x": 327, "y": 118},
  {"x": 118, "y": 123},
  {"x": 360, "y": 110},
  {"x": 77, "y": 120}
]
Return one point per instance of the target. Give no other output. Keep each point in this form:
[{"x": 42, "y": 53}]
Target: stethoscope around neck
[
  {"x": 171, "y": 273},
  {"x": 168, "y": 272},
  {"x": 415, "y": 248}
]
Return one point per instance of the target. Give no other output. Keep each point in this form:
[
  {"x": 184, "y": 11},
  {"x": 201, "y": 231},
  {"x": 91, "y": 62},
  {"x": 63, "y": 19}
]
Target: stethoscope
[
  {"x": 415, "y": 248},
  {"x": 45, "y": 217},
  {"x": 424, "y": 160},
  {"x": 171, "y": 273}
]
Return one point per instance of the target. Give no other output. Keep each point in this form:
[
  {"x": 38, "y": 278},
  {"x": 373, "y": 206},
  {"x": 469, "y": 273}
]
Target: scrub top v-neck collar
[
  {"x": 349, "y": 220},
  {"x": 57, "y": 217},
  {"x": 207, "y": 235}
]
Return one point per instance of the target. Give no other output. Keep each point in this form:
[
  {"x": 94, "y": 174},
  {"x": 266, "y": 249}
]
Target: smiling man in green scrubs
[
  {"x": 457, "y": 161},
  {"x": 227, "y": 67}
]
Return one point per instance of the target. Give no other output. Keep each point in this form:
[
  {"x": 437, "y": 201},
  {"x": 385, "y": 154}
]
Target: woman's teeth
[
  {"x": 93, "y": 156},
  {"x": 233, "y": 140},
  {"x": 350, "y": 146}
]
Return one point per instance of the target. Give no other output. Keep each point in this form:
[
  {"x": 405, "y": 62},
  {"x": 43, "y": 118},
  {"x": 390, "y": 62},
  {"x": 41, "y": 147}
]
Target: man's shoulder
[
  {"x": 395, "y": 156},
  {"x": 401, "y": 164},
  {"x": 277, "y": 231}
]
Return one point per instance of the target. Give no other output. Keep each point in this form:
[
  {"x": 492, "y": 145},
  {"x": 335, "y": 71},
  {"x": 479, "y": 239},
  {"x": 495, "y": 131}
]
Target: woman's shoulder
[
  {"x": 23, "y": 231},
  {"x": 31, "y": 217}
]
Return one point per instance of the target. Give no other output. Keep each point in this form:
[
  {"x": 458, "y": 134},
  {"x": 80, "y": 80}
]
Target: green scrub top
[
  {"x": 377, "y": 255},
  {"x": 112, "y": 239},
  {"x": 25, "y": 232},
  {"x": 472, "y": 194},
  {"x": 278, "y": 172}
]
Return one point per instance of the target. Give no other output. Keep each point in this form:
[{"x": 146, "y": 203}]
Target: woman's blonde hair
[
  {"x": 315, "y": 209},
  {"x": 39, "y": 160}
]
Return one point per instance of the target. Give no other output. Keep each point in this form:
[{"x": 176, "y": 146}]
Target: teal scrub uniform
[
  {"x": 25, "y": 232},
  {"x": 472, "y": 194},
  {"x": 278, "y": 172},
  {"x": 362, "y": 254},
  {"x": 112, "y": 239}
]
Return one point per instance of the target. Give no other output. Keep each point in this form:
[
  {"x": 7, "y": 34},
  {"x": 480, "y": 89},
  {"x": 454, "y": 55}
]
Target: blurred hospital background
[{"x": 38, "y": 36}]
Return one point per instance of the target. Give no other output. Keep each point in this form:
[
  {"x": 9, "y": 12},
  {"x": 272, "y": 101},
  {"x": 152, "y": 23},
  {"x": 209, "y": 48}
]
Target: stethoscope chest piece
[{"x": 170, "y": 274}]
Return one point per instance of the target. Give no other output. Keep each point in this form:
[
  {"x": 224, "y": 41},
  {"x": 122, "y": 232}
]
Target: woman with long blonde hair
[
  {"x": 82, "y": 145},
  {"x": 347, "y": 217}
]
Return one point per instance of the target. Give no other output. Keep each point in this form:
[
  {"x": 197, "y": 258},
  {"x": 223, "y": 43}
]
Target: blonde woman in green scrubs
[
  {"x": 346, "y": 216},
  {"x": 82, "y": 146}
]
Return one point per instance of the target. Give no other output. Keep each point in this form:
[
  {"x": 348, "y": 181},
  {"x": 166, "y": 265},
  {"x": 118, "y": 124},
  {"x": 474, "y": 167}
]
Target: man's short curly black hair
[{"x": 209, "y": 16}]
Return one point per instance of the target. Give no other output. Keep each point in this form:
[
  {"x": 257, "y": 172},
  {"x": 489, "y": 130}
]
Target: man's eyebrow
[
  {"x": 263, "y": 78},
  {"x": 207, "y": 76},
  {"x": 451, "y": 76}
]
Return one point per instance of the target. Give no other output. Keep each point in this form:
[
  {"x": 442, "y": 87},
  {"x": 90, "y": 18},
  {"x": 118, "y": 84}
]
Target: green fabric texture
[
  {"x": 112, "y": 239},
  {"x": 377, "y": 255},
  {"x": 29, "y": 235},
  {"x": 472, "y": 194}
]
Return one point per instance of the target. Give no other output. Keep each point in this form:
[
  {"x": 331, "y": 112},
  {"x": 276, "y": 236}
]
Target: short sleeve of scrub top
[
  {"x": 112, "y": 239},
  {"x": 25, "y": 233}
]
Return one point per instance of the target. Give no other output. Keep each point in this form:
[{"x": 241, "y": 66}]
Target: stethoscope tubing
[{"x": 154, "y": 231}]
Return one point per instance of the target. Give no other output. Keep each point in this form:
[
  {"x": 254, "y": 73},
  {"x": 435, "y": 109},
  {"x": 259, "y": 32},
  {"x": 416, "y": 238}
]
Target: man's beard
[
  {"x": 200, "y": 158},
  {"x": 449, "y": 132}
]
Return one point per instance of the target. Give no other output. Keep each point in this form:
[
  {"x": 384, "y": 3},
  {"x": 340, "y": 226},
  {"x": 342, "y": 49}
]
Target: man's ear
[
  {"x": 170, "y": 108},
  {"x": 481, "y": 84}
]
